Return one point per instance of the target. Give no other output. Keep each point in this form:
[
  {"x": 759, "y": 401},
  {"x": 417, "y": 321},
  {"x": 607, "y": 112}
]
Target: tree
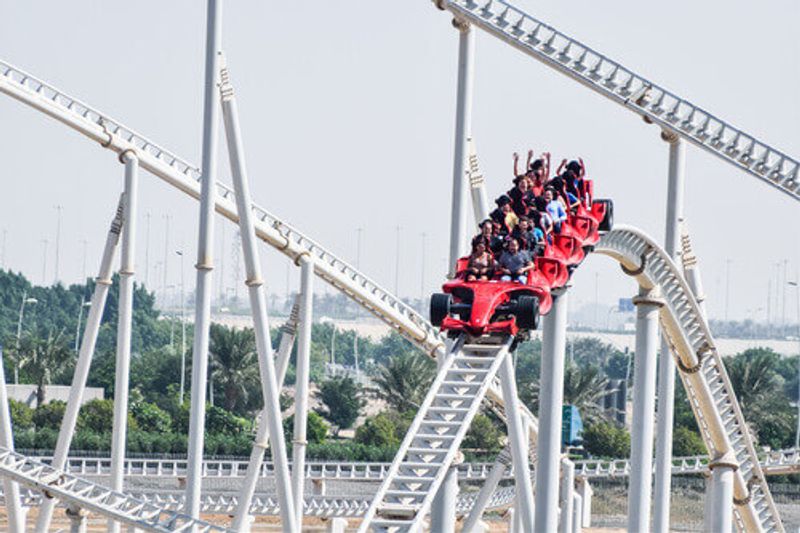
[
  {"x": 404, "y": 381},
  {"x": 686, "y": 442},
  {"x": 41, "y": 357},
  {"x": 483, "y": 436},
  {"x": 316, "y": 428},
  {"x": 378, "y": 430},
  {"x": 342, "y": 399},
  {"x": 234, "y": 365},
  {"x": 753, "y": 374},
  {"x": 150, "y": 417},
  {"x": 584, "y": 387},
  {"x": 604, "y": 439}
]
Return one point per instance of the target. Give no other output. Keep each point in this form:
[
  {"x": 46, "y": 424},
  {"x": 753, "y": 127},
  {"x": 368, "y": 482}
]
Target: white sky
[{"x": 348, "y": 114}]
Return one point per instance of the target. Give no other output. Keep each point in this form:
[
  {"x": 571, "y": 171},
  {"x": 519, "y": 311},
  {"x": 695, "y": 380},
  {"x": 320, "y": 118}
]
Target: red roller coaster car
[{"x": 495, "y": 307}]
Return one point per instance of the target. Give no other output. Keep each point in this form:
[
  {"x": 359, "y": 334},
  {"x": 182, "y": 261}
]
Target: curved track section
[
  {"x": 702, "y": 371},
  {"x": 181, "y": 174}
]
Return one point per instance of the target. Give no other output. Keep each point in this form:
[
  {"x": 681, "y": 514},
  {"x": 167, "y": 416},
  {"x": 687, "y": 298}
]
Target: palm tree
[
  {"x": 584, "y": 387},
  {"x": 754, "y": 377},
  {"x": 42, "y": 357},
  {"x": 404, "y": 381},
  {"x": 234, "y": 365}
]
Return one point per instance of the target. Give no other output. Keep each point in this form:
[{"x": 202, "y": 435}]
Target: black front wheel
[
  {"x": 440, "y": 308},
  {"x": 527, "y": 312}
]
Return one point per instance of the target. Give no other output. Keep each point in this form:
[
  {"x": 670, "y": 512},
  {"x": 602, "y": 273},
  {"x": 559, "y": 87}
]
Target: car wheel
[
  {"x": 440, "y": 308},
  {"x": 527, "y": 312}
]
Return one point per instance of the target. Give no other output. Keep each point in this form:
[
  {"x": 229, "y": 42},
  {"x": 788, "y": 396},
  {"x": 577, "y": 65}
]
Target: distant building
[{"x": 27, "y": 393}]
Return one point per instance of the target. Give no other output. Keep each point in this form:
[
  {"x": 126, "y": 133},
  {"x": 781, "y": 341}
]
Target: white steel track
[
  {"x": 619, "y": 84},
  {"x": 181, "y": 174},
  {"x": 702, "y": 371},
  {"x": 117, "y": 506}
]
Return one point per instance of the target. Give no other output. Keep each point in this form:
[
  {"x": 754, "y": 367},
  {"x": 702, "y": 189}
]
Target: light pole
[
  {"x": 44, "y": 260},
  {"x": 183, "y": 332},
  {"x": 84, "y": 303},
  {"x": 25, "y": 300},
  {"x": 397, "y": 264},
  {"x": 797, "y": 291},
  {"x": 58, "y": 208}
]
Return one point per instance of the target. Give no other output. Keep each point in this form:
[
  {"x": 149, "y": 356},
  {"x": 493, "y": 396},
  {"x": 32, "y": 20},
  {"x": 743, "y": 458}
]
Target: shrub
[
  {"x": 90, "y": 441},
  {"x": 96, "y": 416},
  {"x": 607, "y": 440},
  {"x": 687, "y": 442},
  {"x": 378, "y": 430},
  {"x": 45, "y": 438},
  {"x": 350, "y": 451},
  {"x": 219, "y": 420},
  {"x": 49, "y": 415},
  {"x": 24, "y": 440},
  {"x": 316, "y": 428},
  {"x": 21, "y": 415},
  {"x": 483, "y": 436},
  {"x": 150, "y": 417}
]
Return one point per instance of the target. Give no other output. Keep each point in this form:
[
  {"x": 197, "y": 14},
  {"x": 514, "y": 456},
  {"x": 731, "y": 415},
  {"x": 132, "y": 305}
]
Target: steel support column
[
  {"x": 518, "y": 442},
  {"x": 566, "y": 493},
  {"x": 258, "y": 307},
  {"x": 666, "y": 366},
  {"x": 721, "y": 509},
  {"x": 458, "y": 220},
  {"x": 14, "y": 510},
  {"x": 644, "y": 400},
  {"x": 551, "y": 379},
  {"x": 501, "y": 464},
  {"x": 119, "y": 431},
  {"x": 205, "y": 261},
  {"x": 443, "y": 511},
  {"x": 577, "y": 513},
  {"x": 303, "y": 364},
  {"x": 88, "y": 341}
]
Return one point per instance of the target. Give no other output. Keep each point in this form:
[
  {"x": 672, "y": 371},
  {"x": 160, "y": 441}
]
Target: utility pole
[
  {"x": 359, "y": 231},
  {"x": 422, "y": 274},
  {"x": 727, "y": 286},
  {"x": 3, "y": 258},
  {"x": 222, "y": 268},
  {"x": 167, "y": 218},
  {"x": 44, "y": 261},
  {"x": 397, "y": 264},
  {"x": 58, "y": 209},
  {"x": 183, "y": 332},
  {"x": 85, "y": 244},
  {"x": 146, "y": 251}
]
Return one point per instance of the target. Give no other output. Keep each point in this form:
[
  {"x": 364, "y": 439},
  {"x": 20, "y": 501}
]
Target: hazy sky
[{"x": 347, "y": 112}]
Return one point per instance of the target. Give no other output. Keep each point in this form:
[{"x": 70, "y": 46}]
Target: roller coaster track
[
  {"x": 630, "y": 90},
  {"x": 181, "y": 174},
  {"x": 96, "y": 498},
  {"x": 702, "y": 371},
  {"x": 711, "y": 396}
]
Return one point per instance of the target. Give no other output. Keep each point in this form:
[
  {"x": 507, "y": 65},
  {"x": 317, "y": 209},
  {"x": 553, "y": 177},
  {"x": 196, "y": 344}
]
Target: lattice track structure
[
  {"x": 630, "y": 90},
  {"x": 96, "y": 498},
  {"x": 581, "y": 63},
  {"x": 702, "y": 372},
  {"x": 433, "y": 438}
]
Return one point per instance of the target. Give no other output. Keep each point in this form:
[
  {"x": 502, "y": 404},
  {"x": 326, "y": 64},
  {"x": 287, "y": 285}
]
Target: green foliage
[
  {"x": 220, "y": 421},
  {"x": 604, "y": 439},
  {"x": 350, "y": 451},
  {"x": 316, "y": 428},
  {"x": 584, "y": 387},
  {"x": 686, "y": 442},
  {"x": 150, "y": 417},
  {"x": 378, "y": 430},
  {"x": 96, "y": 416},
  {"x": 341, "y": 397},
  {"x": 49, "y": 415},
  {"x": 41, "y": 356},
  {"x": 21, "y": 415},
  {"x": 483, "y": 436},
  {"x": 234, "y": 366},
  {"x": 404, "y": 380}
]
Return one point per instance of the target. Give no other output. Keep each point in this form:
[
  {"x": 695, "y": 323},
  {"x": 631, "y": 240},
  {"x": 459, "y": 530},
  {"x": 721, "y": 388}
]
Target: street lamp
[
  {"x": 183, "y": 333},
  {"x": 78, "y": 328},
  {"x": 797, "y": 433},
  {"x": 25, "y": 300}
]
